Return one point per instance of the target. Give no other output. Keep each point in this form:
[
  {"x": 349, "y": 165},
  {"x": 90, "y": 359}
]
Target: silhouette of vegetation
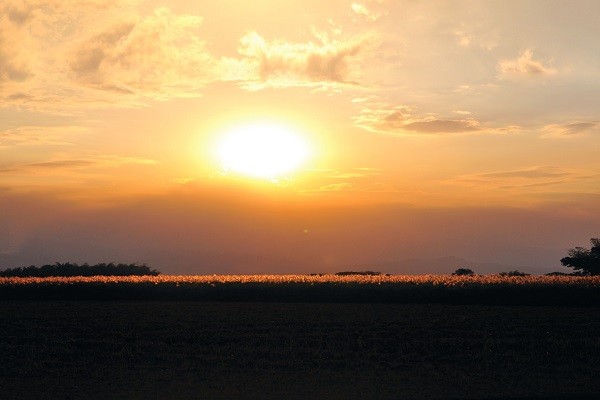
[
  {"x": 557, "y": 273},
  {"x": 366, "y": 273},
  {"x": 72, "y": 269},
  {"x": 476, "y": 289},
  {"x": 514, "y": 273},
  {"x": 584, "y": 261},
  {"x": 463, "y": 272}
]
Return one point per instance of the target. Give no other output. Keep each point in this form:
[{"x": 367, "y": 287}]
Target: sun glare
[{"x": 262, "y": 150}]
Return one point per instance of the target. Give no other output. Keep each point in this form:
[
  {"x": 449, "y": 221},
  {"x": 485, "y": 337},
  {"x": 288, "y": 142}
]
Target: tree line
[
  {"x": 73, "y": 269},
  {"x": 585, "y": 262}
]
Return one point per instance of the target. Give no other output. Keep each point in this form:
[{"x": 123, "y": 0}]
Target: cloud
[
  {"x": 366, "y": 13},
  {"x": 435, "y": 126},
  {"x": 570, "y": 130},
  {"x": 38, "y": 135},
  {"x": 337, "y": 187},
  {"x": 538, "y": 176},
  {"x": 184, "y": 181},
  {"x": 281, "y": 63},
  {"x": 102, "y": 161},
  {"x": 58, "y": 56},
  {"x": 464, "y": 39},
  {"x": 156, "y": 56},
  {"x": 382, "y": 117},
  {"x": 351, "y": 180},
  {"x": 524, "y": 65},
  {"x": 355, "y": 173},
  {"x": 536, "y": 172},
  {"x": 61, "y": 56},
  {"x": 399, "y": 120},
  {"x": 347, "y": 187},
  {"x": 63, "y": 164},
  {"x": 15, "y": 65},
  {"x": 475, "y": 35}
]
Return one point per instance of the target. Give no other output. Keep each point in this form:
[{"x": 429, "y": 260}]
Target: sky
[{"x": 429, "y": 129}]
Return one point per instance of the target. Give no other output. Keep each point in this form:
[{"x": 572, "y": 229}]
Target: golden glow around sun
[{"x": 262, "y": 150}]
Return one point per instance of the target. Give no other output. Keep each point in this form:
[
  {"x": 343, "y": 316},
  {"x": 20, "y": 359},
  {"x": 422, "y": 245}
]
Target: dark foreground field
[{"x": 203, "y": 350}]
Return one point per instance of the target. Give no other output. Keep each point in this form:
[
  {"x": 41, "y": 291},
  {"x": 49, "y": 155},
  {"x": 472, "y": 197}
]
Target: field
[
  {"x": 446, "y": 289},
  {"x": 239, "y": 349}
]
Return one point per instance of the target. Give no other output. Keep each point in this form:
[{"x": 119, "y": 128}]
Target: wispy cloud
[
  {"x": 368, "y": 13},
  {"x": 463, "y": 38},
  {"x": 570, "y": 130},
  {"x": 349, "y": 173},
  {"x": 337, "y": 187},
  {"x": 38, "y": 135},
  {"x": 102, "y": 161},
  {"x": 401, "y": 120},
  {"x": 15, "y": 45},
  {"x": 539, "y": 176},
  {"x": 365, "y": 180},
  {"x": 532, "y": 173},
  {"x": 525, "y": 65},
  {"x": 348, "y": 187},
  {"x": 281, "y": 64}
]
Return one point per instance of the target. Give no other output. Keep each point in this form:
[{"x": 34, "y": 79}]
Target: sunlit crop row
[{"x": 445, "y": 280}]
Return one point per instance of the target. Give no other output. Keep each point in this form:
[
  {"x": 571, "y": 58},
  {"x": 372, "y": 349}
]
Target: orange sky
[{"x": 460, "y": 128}]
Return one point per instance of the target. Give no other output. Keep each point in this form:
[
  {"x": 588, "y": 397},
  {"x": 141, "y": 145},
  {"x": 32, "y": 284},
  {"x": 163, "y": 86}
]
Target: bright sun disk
[{"x": 262, "y": 150}]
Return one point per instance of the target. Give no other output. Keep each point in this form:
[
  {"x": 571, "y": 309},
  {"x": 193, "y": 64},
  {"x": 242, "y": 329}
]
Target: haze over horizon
[{"x": 149, "y": 131}]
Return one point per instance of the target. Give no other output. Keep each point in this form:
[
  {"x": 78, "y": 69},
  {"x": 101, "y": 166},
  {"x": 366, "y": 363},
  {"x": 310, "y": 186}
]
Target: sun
[{"x": 263, "y": 150}]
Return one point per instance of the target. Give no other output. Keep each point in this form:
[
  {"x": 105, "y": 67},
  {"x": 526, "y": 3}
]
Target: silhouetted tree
[
  {"x": 557, "y": 273},
  {"x": 72, "y": 269},
  {"x": 343, "y": 273},
  {"x": 585, "y": 261},
  {"x": 514, "y": 273},
  {"x": 463, "y": 271}
]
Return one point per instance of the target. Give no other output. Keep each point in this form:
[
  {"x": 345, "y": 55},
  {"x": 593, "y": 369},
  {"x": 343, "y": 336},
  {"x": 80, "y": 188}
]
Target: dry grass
[
  {"x": 444, "y": 280},
  {"x": 490, "y": 289}
]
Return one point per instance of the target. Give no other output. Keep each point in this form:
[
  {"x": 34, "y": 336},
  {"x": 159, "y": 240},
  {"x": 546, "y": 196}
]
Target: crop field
[
  {"x": 206, "y": 350},
  {"x": 300, "y": 337},
  {"x": 490, "y": 289}
]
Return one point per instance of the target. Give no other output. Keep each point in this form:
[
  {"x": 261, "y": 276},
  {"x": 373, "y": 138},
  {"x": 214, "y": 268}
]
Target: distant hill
[{"x": 439, "y": 266}]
